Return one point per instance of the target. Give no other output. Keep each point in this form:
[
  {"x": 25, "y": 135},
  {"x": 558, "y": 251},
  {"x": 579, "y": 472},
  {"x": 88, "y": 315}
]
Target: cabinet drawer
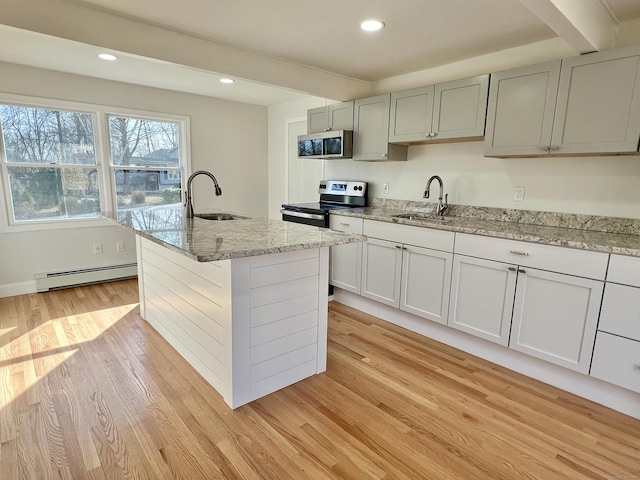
[
  {"x": 418, "y": 236},
  {"x": 617, "y": 360},
  {"x": 341, "y": 223},
  {"x": 582, "y": 263},
  {"x": 625, "y": 270},
  {"x": 620, "y": 313}
]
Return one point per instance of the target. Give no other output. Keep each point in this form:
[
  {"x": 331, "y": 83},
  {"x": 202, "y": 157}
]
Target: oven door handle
[{"x": 311, "y": 216}]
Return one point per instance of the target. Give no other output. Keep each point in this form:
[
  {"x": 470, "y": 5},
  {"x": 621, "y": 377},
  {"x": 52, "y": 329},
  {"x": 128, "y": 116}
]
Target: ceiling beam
[
  {"x": 85, "y": 24},
  {"x": 585, "y": 24}
]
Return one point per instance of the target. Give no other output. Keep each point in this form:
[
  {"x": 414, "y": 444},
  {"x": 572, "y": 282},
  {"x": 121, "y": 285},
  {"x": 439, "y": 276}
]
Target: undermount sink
[
  {"x": 422, "y": 216},
  {"x": 219, "y": 216}
]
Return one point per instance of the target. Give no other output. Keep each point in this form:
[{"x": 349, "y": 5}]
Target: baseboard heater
[{"x": 85, "y": 276}]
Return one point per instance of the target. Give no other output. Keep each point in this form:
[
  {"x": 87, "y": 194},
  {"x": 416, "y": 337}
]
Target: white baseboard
[
  {"x": 612, "y": 396},
  {"x": 19, "y": 288}
]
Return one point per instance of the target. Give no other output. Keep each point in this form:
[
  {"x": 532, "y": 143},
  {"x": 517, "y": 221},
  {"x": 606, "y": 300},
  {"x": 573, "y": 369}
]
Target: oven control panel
[{"x": 343, "y": 187}]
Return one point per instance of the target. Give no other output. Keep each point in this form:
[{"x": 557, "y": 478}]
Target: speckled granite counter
[
  {"x": 211, "y": 240},
  {"x": 601, "y": 234}
]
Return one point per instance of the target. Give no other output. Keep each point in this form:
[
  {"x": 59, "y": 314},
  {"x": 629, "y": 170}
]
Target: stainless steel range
[{"x": 334, "y": 195}]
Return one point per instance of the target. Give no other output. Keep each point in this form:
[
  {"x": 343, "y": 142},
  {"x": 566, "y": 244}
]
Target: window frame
[{"x": 106, "y": 172}]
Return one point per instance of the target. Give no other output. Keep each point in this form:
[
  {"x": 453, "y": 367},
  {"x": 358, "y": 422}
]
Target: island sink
[{"x": 219, "y": 216}]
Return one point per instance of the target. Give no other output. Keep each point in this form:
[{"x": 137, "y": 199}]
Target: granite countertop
[
  {"x": 212, "y": 240},
  {"x": 537, "y": 227}
]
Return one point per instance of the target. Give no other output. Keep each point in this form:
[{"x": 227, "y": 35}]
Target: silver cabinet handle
[
  {"x": 546, "y": 147},
  {"x": 432, "y": 134},
  {"x": 516, "y": 252},
  {"x": 345, "y": 224},
  {"x": 398, "y": 246},
  {"x": 554, "y": 147},
  {"x": 512, "y": 269},
  {"x": 520, "y": 270}
]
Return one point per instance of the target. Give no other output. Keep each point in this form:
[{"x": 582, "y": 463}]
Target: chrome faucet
[
  {"x": 442, "y": 207},
  {"x": 187, "y": 197}
]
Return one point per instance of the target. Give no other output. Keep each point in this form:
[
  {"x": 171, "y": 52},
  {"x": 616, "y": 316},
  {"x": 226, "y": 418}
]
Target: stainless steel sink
[
  {"x": 219, "y": 216},
  {"x": 425, "y": 217}
]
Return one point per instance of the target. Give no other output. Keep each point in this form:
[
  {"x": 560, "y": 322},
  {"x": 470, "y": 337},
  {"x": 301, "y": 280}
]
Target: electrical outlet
[
  {"x": 386, "y": 188},
  {"x": 97, "y": 248},
  {"x": 120, "y": 246},
  {"x": 518, "y": 195}
]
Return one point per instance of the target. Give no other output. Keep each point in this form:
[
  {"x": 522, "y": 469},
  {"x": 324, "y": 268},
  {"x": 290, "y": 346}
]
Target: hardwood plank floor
[{"x": 89, "y": 390}]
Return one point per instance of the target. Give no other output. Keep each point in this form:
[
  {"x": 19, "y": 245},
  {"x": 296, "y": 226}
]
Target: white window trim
[{"x": 108, "y": 197}]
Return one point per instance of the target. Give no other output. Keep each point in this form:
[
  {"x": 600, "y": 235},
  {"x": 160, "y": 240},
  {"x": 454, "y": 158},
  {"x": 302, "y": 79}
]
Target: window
[
  {"x": 145, "y": 161},
  {"x": 50, "y": 162},
  {"x": 62, "y": 163}
]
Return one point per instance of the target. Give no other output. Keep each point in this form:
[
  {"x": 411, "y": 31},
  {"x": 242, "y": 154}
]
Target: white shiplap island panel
[
  {"x": 243, "y": 301},
  {"x": 249, "y": 326}
]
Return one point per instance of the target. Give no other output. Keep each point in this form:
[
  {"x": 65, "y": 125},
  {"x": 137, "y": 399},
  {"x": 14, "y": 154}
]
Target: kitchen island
[{"x": 243, "y": 300}]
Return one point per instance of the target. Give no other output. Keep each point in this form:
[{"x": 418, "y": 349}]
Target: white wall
[
  {"x": 227, "y": 138},
  {"x": 608, "y": 186},
  {"x": 278, "y": 116}
]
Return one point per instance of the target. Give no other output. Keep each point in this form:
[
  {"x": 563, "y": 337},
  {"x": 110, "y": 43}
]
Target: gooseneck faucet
[
  {"x": 442, "y": 207},
  {"x": 187, "y": 197}
]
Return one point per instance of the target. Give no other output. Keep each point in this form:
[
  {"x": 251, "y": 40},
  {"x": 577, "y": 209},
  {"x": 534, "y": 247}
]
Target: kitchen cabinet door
[
  {"x": 459, "y": 108},
  {"x": 337, "y": 116},
  {"x": 598, "y": 108},
  {"x": 520, "y": 112},
  {"x": 555, "y": 317},
  {"x": 426, "y": 282},
  {"x": 346, "y": 260},
  {"x": 371, "y": 131},
  {"x": 617, "y": 360},
  {"x": 381, "y": 265},
  {"x": 341, "y": 116},
  {"x": 411, "y": 115},
  {"x": 482, "y": 293}
]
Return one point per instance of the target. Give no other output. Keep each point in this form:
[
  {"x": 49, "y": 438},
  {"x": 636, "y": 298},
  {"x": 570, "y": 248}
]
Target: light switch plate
[{"x": 518, "y": 196}]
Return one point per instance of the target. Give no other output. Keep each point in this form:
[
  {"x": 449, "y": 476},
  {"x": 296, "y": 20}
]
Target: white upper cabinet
[
  {"x": 451, "y": 110},
  {"x": 581, "y": 105},
  {"x": 337, "y": 116},
  {"x": 411, "y": 115},
  {"x": 598, "y": 106},
  {"x": 371, "y": 131},
  {"x": 520, "y": 113}
]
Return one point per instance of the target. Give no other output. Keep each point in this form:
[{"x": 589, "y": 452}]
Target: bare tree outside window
[
  {"x": 144, "y": 150},
  {"x": 63, "y": 141}
]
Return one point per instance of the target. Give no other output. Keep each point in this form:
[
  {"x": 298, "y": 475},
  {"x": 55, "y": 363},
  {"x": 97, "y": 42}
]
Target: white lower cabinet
[
  {"x": 617, "y": 360},
  {"x": 482, "y": 293},
  {"x": 616, "y": 357},
  {"x": 549, "y": 315},
  {"x": 555, "y": 317},
  {"x": 413, "y": 278},
  {"x": 345, "y": 268},
  {"x": 381, "y": 268},
  {"x": 426, "y": 278}
]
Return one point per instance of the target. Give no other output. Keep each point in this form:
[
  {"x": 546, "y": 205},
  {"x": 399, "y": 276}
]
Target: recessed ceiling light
[
  {"x": 372, "y": 25},
  {"x": 226, "y": 80},
  {"x": 107, "y": 56}
]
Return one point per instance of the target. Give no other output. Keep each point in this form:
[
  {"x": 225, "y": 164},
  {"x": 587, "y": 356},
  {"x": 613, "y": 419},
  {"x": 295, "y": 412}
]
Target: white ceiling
[{"x": 419, "y": 34}]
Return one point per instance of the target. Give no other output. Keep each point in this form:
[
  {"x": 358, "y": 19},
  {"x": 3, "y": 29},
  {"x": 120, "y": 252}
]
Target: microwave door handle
[{"x": 311, "y": 216}]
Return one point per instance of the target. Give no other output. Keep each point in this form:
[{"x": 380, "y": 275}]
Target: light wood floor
[{"x": 89, "y": 390}]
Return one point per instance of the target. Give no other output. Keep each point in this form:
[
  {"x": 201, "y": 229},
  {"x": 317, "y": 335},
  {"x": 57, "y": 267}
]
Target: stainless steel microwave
[{"x": 326, "y": 145}]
